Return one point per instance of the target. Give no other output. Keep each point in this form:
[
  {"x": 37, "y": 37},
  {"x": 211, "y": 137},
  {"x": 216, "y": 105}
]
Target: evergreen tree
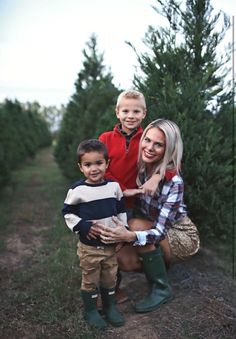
[
  {"x": 95, "y": 95},
  {"x": 23, "y": 132},
  {"x": 182, "y": 77}
]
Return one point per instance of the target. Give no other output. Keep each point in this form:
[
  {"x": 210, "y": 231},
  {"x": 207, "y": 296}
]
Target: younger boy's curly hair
[{"x": 91, "y": 145}]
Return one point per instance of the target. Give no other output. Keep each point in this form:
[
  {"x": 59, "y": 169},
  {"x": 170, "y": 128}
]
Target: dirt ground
[{"x": 204, "y": 304}]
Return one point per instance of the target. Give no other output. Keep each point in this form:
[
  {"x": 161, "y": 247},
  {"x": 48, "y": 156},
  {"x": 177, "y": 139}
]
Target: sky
[{"x": 41, "y": 43}]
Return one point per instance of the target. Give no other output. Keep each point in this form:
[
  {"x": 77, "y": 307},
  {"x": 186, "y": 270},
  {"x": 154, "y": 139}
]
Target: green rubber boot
[
  {"x": 113, "y": 316},
  {"x": 91, "y": 314},
  {"x": 159, "y": 288}
]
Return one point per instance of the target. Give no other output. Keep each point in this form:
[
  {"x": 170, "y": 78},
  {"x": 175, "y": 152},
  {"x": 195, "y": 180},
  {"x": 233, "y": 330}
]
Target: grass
[{"x": 42, "y": 300}]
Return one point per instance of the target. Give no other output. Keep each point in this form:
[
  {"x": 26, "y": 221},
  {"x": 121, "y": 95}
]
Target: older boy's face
[{"x": 131, "y": 114}]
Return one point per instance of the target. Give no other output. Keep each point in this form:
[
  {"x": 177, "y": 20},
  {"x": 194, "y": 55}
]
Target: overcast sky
[{"x": 41, "y": 43}]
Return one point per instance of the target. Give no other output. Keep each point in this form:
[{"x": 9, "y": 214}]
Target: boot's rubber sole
[
  {"x": 116, "y": 324},
  {"x": 153, "y": 308}
]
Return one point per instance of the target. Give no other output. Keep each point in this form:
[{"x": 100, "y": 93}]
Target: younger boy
[{"x": 88, "y": 201}]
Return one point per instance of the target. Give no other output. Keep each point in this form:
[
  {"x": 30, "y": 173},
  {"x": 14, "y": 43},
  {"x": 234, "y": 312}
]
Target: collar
[{"x": 126, "y": 134}]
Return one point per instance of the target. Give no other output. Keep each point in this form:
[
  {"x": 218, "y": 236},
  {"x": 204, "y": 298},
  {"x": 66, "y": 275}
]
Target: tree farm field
[{"x": 40, "y": 275}]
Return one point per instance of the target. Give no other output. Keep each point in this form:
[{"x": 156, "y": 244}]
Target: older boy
[
  {"x": 123, "y": 145},
  {"x": 123, "y": 142}
]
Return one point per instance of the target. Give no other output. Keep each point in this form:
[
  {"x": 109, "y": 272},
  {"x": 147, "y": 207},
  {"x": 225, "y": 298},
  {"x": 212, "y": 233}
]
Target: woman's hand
[
  {"x": 116, "y": 234},
  {"x": 151, "y": 185}
]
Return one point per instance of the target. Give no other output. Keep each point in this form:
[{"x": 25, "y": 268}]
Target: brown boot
[
  {"x": 120, "y": 296},
  {"x": 99, "y": 302}
]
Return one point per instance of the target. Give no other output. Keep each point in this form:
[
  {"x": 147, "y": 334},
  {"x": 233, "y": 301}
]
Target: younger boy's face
[
  {"x": 130, "y": 113},
  {"x": 93, "y": 165}
]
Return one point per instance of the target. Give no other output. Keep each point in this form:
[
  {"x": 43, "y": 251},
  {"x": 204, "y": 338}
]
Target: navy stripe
[{"x": 99, "y": 209}]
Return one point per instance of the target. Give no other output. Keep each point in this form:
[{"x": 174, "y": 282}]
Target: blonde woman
[{"x": 160, "y": 225}]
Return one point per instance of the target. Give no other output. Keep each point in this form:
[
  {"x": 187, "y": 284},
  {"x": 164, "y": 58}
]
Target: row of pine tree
[
  {"x": 183, "y": 77},
  {"x": 23, "y": 133}
]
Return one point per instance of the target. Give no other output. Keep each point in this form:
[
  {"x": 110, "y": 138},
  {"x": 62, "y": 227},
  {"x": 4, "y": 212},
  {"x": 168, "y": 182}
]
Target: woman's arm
[
  {"x": 112, "y": 235},
  {"x": 159, "y": 229},
  {"x": 151, "y": 185},
  {"x": 172, "y": 197}
]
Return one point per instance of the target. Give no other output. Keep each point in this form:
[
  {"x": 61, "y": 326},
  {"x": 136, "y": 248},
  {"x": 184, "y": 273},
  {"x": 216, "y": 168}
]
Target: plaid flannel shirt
[{"x": 164, "y": 209}]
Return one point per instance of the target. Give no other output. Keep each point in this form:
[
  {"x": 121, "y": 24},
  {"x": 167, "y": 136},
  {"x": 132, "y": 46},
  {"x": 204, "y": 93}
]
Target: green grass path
[{"x": 40, "y": 277}]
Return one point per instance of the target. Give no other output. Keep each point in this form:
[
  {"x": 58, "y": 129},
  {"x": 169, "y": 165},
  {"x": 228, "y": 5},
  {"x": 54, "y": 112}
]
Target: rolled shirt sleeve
[{"x": 169, "y": 207}]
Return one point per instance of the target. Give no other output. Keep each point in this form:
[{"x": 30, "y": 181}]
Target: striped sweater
[{"x": 86, "y": 202}]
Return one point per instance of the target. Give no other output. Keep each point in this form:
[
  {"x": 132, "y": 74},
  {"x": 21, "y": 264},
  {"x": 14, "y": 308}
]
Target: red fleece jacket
[{"x": 123, "y": 163}]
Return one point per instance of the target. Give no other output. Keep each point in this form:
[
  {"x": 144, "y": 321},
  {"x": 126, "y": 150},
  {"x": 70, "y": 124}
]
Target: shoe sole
[
  {"x": 116, "y": 324},
  {"x": 154, "y": 307}
]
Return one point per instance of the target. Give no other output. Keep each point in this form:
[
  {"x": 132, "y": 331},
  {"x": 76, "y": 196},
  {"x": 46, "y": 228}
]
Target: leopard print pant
[{"x": 183, "y": 239}]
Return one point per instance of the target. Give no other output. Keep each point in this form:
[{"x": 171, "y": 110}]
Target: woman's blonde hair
[{"x": 173, "y": 148}]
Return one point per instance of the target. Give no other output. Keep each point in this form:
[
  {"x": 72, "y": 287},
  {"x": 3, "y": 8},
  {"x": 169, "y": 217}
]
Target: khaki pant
[{"x": 98, "y": 266}]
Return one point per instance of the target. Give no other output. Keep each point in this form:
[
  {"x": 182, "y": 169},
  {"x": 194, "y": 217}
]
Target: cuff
[{"x": 141, "y": 239}]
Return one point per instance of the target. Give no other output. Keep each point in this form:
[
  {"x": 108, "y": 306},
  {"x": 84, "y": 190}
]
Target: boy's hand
[
  {"x": 133, "y": 191},
  {"x": 94, "y": 231},
  {"x": 151, "y": 185}
]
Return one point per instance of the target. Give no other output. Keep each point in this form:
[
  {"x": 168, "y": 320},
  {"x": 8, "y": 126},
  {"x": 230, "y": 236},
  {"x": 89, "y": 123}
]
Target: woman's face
[{"x": 153, "y": 146}]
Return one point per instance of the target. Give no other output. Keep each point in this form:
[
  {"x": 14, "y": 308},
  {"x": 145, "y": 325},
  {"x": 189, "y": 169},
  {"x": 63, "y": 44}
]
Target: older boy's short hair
[
  {"x": 91, "y": 145},
  {"x": 131, "y": 94}
]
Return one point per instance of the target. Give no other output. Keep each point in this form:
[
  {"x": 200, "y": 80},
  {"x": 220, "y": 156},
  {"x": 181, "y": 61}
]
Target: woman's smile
[
  {"x": 153, "y": 145},
  {"x": 148, "y": 154}
]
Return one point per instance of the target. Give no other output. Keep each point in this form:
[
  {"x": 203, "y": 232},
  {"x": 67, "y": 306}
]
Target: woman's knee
[
  {"x": 136, "y": 224},
  {"x": 128, "y": 260}
]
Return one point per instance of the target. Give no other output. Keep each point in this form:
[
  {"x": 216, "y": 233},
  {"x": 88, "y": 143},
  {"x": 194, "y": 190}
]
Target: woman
[{"x": 160, "y": 223}]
